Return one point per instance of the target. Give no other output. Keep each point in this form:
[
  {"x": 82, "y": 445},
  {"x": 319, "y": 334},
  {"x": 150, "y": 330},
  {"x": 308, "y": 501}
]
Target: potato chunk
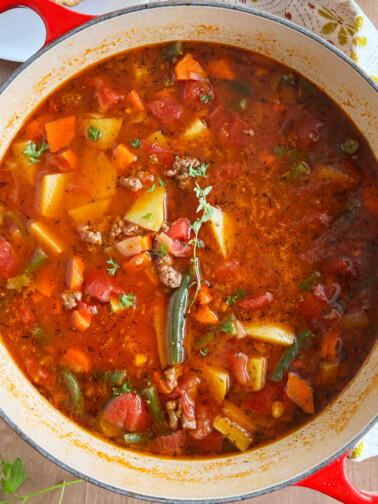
[
  {"x": 233, "y": 432},
  {"x": 87, "y": 213},
  {"x": 218, "y": 381},
  {"x": 270, "y": 333},
  {"x": 52, "y": 192},
  {"x": 148, "y": 210},
  {"x": 108, "y": 128},
  {"x": 220, "y": 226}
]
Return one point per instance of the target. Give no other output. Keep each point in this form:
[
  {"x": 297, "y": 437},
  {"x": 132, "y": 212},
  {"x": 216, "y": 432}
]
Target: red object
[
  {"x": 98, "y": 284},
  {"x": 163, "y": 155},
  {"x": 261, "y": 402},
  {"x": 254, "y": 302},
  {"x": 58, "y": 20},
  {"x": 238, "y": 362},
  {"x": 333, "y": 480},
  {"x": 306, "y": 131},
  {"x": 310, "y": 306},
  {"x": 128, "y": 411},
  {"x": 187, "y": 391},
  {"x": 168, "y": 445},
  {"x": 194, "y": 91},
  {"x": 8, "y": 261},
  {"x": 179, "y": 230},
  {"x": 166, "y": 109}
]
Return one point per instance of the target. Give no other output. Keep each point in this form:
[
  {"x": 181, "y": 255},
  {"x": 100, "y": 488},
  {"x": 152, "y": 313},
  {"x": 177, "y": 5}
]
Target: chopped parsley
[
  {"x": 206, "y": 98},
  {"x": 307, "y": 284},
  {"x": 298, "y": 170},
  {"x": 93, "y": 134},
  {"x": 152, "y": 188},
  {"x": 147, "y": 216},
  {"x": 239, "y": 294},
  {"x": 114, "y": 266},
  {"x": 162, "y": 252},
  {"x": 204, "y": 352},
  {"x": 35, "y": 152},
  {"x": 126, "y": 300},
  {"x": 162, "y": 183},
  {"x": 198, "y": 172},
  {"x": 126, "y": 387},
  {"x": 135, "y": 143},
  {"x": 228, "y": 327}
]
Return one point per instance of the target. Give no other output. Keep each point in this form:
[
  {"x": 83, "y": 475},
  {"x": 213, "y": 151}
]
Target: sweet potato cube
[{"x": 60, "y": 133}]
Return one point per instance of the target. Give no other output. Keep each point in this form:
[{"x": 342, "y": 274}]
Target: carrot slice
[
  {"x": 330, "y": 346},
  {"x": 60, "y": 133},
  {"x": 300, "y": 392},
  {"x": 137, "y": 263},
  {"x": 70, "y": 157},
  {"x": 44, "y": 284},
  {"x": 75, "y": 272},
  {"x": 204, "y": 296},
  {"x": 189, "y": 69},
  {"x": 76, "y": 359},
  {"x": 205, "y": 316},
  {"x": 123, "y": 157},
  {"x": 35, "y": 129},
  {"x": 134, "y": 245},
  {"x": 221, "y": 69},
  {"x": 136, "y": 101}
]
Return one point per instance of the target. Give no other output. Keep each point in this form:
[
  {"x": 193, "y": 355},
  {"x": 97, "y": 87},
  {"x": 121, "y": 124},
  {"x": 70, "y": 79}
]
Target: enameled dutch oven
[{"x": 295, "y": 458}]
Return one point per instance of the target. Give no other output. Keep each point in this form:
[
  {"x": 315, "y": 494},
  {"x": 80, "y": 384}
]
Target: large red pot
[{"x": 234, "y": 477}]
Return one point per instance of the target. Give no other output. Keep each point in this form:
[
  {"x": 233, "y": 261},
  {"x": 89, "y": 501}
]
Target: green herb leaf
[
  {"x": 206, "y": 98},
  {"x": 162, "y": 252},
  {"x": 136, "y": 143},
  {"x": 35, "y": 152},
  {"x": 198, "y": 172},
  {"x": 147, "y": 216},
  {"x": 114, "y": 266},
  {"x": 307, "y": 284},
  {"x": 239, "y": 294},
  {"x": 298, "y": 171},
  {"x": 162, "y": 183},
  {"x": 228, "y": 327},
  {"x": 350, "y": 146},
  {"x": 93, "y": 134},
  {"x": 123, "y": 389},
  {"x": 126, "y": 300},
  {"x": 204, "y": 352},
  {"x": 14, "y": 475},
  {"x": 152, "y": 188}
]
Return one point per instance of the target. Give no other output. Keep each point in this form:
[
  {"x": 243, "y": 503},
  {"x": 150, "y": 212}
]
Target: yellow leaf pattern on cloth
[{"x": 340, "y": 22}]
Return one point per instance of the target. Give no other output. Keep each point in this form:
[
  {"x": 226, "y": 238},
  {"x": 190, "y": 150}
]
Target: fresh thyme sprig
[{"x": 208, "y": 212}]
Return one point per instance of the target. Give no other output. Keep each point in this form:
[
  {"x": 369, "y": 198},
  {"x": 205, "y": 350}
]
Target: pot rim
[{"x": 177, "y": 4}]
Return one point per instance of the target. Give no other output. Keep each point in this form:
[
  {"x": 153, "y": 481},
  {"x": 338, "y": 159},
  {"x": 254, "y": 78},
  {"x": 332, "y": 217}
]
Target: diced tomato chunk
[
  {"x": 163, "y": 155},
  {"x": 187, "y": 391},
  {"x": 169, "y": 445},
  {"x": 24, "y": 312},
  {"x": 39, "y": 375},
  {"x": 307, "y": 132},
  {"x": 211, "y": 444},
  {"x": 128, "y": 411},
  {"x": 237, "y": 133},
  {"x": 99, "y": 285},
  {"x": 179, "y": 230},
  {"x": 204, "y": 419},
  {"x": 8, "y": 261},
  {"x": 228, "y": 270},
  {"x": 237, "y": 362},
  {"x": 178, "y": 249},
  {"x": 342, "y": 266},
  {"x": 166, "y": 110},
  {"x": 310, "y": 306},
  {"x": 194, "y": 91},
  {"x": 261, "y": 402},
  {"x": 105, "y": 93},
  {"x": 255, "y": 302}
]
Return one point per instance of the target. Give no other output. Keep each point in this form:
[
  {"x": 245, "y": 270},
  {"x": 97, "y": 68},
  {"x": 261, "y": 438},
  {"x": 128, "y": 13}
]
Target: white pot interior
[{"x": 143, "y": 475}]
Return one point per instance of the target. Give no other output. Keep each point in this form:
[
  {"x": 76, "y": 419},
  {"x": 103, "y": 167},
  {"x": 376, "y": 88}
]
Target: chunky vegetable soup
[{"x": 188, "y": 249}]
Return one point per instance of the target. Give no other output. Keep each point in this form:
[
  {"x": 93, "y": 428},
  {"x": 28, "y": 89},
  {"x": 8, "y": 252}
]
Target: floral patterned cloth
[{"x": 340, "y": 22}]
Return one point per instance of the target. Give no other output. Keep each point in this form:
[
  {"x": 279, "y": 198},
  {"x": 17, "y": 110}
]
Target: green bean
[
  {"x": 74, "y": 388},
  {"x": 222, "y": 326},
  {"x": 137, "y": 437},
  {"x": 350, "y": 146},
  {"x": 24, "y": 279},
  {"x": 289, "y": 355},
  {"x": 241, "y": 87},
  {"x": 153, "y": 401},
  {"x": 176, "y": 323}
]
